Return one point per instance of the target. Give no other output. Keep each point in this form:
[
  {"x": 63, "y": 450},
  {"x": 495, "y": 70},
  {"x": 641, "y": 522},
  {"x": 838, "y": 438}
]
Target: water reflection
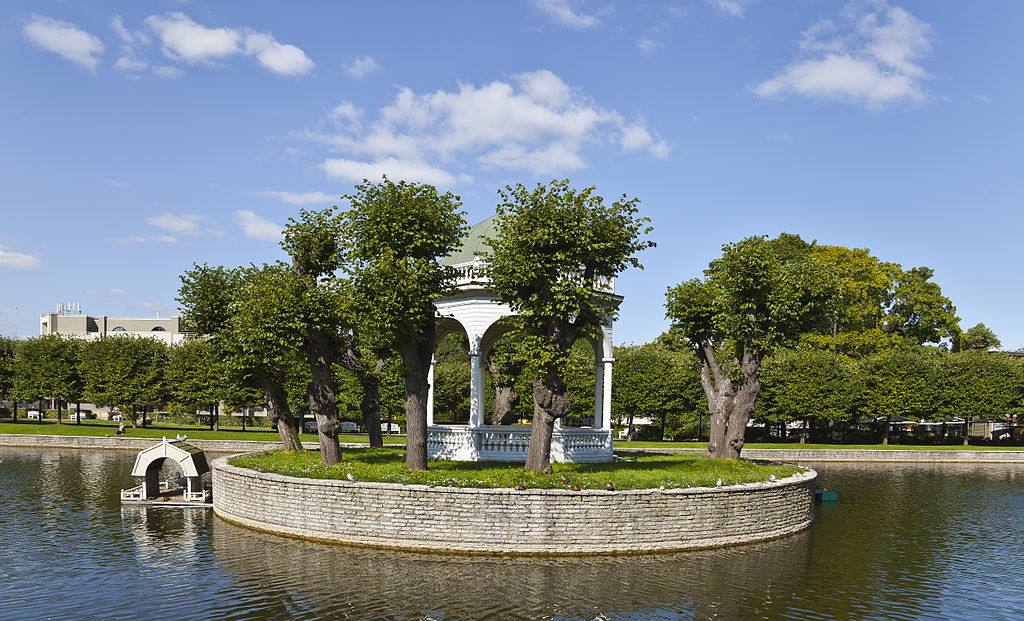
[
  {"x": 379, "y": 583},
  {"x": 905, "y": 541}
]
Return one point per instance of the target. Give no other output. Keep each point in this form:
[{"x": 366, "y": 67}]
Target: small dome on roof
[{"x": 473, "y": 244}]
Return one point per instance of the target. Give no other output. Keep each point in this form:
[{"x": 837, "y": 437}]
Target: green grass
[
  {"x": 640, "y": 471},
  {"x": 797, "y": 445},
  {"x": 158, "y": 430}
]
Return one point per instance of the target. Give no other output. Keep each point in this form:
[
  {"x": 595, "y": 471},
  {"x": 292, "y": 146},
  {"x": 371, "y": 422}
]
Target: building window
[
  {"x": 159, "y": 329},
  {"x": 118, "y": 329}
]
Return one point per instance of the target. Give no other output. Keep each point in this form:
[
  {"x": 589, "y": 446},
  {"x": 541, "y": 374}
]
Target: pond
[{"x": 905, "y": 541}]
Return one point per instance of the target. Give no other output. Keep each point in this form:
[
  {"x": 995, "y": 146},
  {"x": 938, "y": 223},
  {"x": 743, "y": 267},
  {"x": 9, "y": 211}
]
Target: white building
[{"x": 167, "y": 329}]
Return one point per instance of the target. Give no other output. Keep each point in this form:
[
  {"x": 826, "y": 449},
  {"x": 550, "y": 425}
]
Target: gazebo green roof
[{"x": 473, "y": 244}]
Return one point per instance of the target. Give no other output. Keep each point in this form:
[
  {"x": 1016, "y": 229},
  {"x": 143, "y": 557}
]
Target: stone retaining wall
[
  {"x": 507, "y": 521},
  {"x": 799, "y": 455},
  {"x": 136, "y": 443}
]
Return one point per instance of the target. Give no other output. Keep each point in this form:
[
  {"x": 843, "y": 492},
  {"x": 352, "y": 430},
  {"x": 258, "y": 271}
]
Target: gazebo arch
[
  {"x": 472, "y": 308},
  {"x": 148, "y": 462}
]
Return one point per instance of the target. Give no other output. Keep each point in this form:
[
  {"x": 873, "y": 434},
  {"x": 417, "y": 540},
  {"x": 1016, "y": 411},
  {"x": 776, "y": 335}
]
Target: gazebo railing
[
  {"x": 136, "y": 493},
  {"x": 472, "y": 273},
  {"x": 501, "y": 443}
]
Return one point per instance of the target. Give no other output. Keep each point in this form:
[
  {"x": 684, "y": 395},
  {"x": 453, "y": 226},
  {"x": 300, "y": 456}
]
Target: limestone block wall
[{"x": 418, "y": 517}]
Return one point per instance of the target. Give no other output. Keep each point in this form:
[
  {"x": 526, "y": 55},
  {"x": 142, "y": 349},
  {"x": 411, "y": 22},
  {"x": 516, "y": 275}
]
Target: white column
[
  {"x": 606, "y": 416},
  {"x": 598, "y": 395},
  {"x": 430, "y": 393},
  {"x": 476, "y": 389}
]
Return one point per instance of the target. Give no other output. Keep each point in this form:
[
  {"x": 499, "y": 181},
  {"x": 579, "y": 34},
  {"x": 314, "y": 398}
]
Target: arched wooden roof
[{"x": 191, "y": 459}]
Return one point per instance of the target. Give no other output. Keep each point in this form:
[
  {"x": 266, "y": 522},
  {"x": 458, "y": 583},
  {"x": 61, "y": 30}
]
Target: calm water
[{"x": 904, "y": 542}]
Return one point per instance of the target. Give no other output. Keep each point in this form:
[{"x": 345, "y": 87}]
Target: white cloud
[
  {"x": 735, "y": 8},
  {"x": 184, "y": 40},
  {"x": 66, "y": 40},
  {"x": 154, "y": 307},
  {"x": 533, "y": 122},
  {"x": 19, "y": 260},
  {"x": 647, "y": 45},
  {"x": 128, "y": 62},
  {"x": 182, "y": 223},
  {"x": 257, "y": 226},
  {"x": 167, "y": 72},
  {"x": 281, "y": 58},
  {"x": 870, "y": 57},
  {"x": 295, "y": 198},
  {"x": 564, "y": 12},
  {"x": 142, "y": 239},
  {"x": 360, "y": 66},
  {"x": 118, "y": 25},
  {"x": 105, "y": 293},
  {"x": 114, "y": 183}
]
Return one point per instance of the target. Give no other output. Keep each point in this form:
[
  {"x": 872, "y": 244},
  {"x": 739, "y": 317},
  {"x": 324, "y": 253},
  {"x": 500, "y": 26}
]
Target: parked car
[
  {"x": 310, "y": 426},
  {"x": 348, "y": 426}
]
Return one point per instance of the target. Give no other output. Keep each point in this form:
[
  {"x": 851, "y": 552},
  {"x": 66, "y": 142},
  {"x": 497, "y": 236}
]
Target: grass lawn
[
  {"x": 641, "y": 471},
  {"x": 158, "y": 430}
]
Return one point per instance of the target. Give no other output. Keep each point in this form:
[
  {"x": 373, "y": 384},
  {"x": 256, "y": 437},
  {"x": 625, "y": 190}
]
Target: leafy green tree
[
  {"x": 810, "y": 385},
  {"x": 126, "y": 372},
  {"x": 978, "y": 337},
  {"x": 250, "y": 315},
  {"x": 978, "y": 384},
  {"x": 653, "y": 381},
  {"x": 47, "y": 366},
  {"x": 313, "y": 243},
  {"x": 8, "y": 354},
  {"x": 395, "y": 235},
  {"x": 864, "y": 292},
  {"x": 554, "y": 247},
  {"x": 919, "y": 313},
  {"x": 194, "y": 377},
  {"x": 451, "y": 378},
  {"x": 899, "y": 382},
  {"x": 752, "y": 300}
]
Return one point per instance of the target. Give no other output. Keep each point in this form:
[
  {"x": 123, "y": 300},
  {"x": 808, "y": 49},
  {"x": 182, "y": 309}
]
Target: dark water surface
[{"x": 905, "y": 541}]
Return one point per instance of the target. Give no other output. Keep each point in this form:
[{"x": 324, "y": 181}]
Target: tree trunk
[
  {"x": 416, "y": 358},
  {"x": 211, "y": 417},
  {"x": 78, "y": 412},
  {"x": 321, "y": 395},
  {"x": 967, "y": 431},
  {"x": 730, "y": 404},
  {"x": 552, "y": 401},
  {"x": 505, "y": 400},
  {"x": 279, "y": 413},
  {"x": 370, "y": 406},
  {"x": 885, "y": 431}
]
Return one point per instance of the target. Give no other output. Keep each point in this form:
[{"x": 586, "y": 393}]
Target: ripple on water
[{"x": 904, "y": 542}]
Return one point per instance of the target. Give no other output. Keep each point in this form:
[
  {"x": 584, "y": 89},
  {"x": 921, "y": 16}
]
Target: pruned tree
[
  {"x": 250, "y": 316},
  {"x": 395, "y": 235},
  {"x": 126, "y": 372},
  {"x": 752, "y": 299},
  {"x": 553, "y": 247},
  {"x": 47, "y": 366}
]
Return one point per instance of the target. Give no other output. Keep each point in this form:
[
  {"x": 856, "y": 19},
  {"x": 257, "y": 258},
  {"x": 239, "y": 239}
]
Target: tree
[
  {"x": 809, "y": 385},
  {"x": 394, "y": 236},
  {"x": 653, "y": 381},
  {"x": 978, "y": 337},
  {"x": 919, "y": 313},
  {"x": 864, "y": 292},
  {"x": 194, "y": 377},
  {"x": 125, "y": 372},
  {"x": 47, "y": 366},
  {"x": 752, "y": 300},
  {"x": 977, "y": 384},
  {"x": 8, "y": 354},
  {"x": 313, "y": 243},
  {"x": 506, "y": 361},
  {"x": 899, "y": 382},
  {"x": 250, "y": 316},
  {"x": 554, "y": 245}
]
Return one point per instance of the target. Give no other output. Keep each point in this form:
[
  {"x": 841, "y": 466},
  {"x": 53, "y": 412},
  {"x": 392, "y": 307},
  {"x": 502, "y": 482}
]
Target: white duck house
[
  {"x": 149, "y": 461},
  {"x": 474, "y": 310}
]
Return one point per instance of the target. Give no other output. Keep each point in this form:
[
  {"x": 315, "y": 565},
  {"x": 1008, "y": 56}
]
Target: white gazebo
[
  {"x": 148, "y": 462},
  {"x": 480, "y": 314}
]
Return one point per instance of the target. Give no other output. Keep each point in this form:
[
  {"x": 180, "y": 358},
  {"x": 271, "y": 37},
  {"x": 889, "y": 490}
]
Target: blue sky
[{"x": 140, "y": 137}]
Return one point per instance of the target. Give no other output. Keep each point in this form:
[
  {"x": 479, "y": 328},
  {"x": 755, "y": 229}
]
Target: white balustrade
[
  {"x": 500, "y": 443},
  {"x": 473, "y": 273}
]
